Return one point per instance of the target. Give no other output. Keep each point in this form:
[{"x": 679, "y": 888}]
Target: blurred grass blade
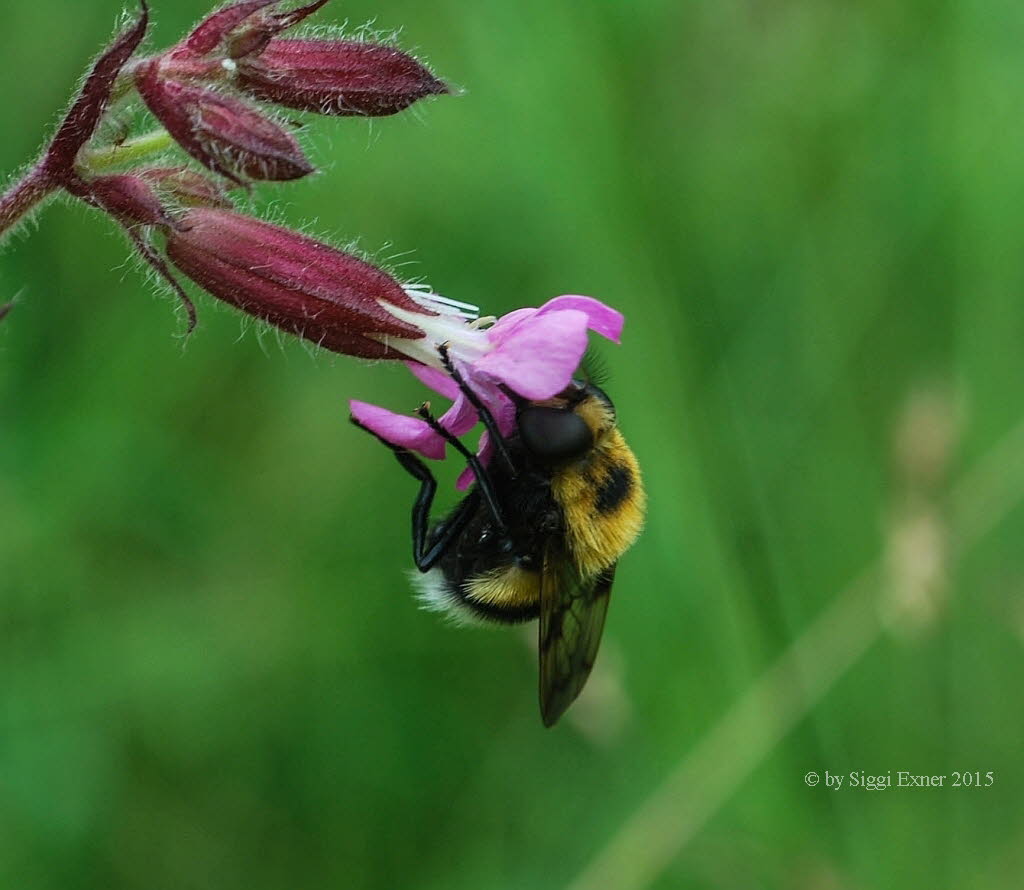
[{"x": 785, "y": 693}]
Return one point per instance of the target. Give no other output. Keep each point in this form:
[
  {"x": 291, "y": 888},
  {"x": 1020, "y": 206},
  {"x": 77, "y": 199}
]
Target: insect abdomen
[{"x": 508, "y": 595}]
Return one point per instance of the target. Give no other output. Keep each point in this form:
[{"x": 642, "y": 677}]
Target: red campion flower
[{"x": 346, "y": 305}]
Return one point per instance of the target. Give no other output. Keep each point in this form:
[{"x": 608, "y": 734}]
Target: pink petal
[
  {"x": 466, "y": 478},
  {"x": 505, "y": 326},
  {"x": 504, "y": 413},
  {"x": 539, "y": 360},
  {"x": 437, "y": 380},
  {"x": 485, "y": 452},
  {"x": 399, "y": 429},
  {"x": 460, "y": 418},
  {"x": 601, "y": 319}
]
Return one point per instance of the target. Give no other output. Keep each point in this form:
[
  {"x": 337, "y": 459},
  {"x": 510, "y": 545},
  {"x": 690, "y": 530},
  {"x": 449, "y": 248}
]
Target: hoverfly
[{"x": 540, "y": 532}]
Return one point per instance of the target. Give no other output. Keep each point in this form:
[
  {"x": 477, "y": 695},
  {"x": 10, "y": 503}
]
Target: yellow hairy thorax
[{"x": 603, "y": 501}]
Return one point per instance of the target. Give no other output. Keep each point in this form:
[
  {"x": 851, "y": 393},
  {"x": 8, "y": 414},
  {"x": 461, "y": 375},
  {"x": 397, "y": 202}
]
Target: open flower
[
  {"x": 345, "y": 304},
  {"x": 532, "y": 352}
]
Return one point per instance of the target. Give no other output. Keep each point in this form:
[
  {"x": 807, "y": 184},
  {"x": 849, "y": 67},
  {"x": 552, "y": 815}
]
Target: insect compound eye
[{"x": 554, "y": 434}]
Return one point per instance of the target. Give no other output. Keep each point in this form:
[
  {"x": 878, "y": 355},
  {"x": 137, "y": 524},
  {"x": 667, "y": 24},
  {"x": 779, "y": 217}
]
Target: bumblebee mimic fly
[{"x": 540, "y": 532}]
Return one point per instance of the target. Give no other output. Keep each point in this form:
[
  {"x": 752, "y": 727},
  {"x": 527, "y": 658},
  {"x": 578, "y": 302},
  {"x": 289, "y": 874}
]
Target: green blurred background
[{"x": 212, "y": 672}]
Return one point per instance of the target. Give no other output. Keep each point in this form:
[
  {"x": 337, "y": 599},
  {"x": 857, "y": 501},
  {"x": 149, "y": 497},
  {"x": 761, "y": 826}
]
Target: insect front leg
[
  {"x": 426, "y": 550},
  {"x": 490, "y": 424}
]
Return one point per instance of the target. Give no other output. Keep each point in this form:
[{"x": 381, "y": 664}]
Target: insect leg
[
  {"x": 483, "y": 480},
  {"x": 485, "y": 415},
  {"x": 425, "y": 553}
]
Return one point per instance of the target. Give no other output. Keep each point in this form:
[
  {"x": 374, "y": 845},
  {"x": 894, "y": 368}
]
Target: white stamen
[
  {"x": 423, "y": 295},
  {"x": 437, "y": 298},
  {"x": 461, "y": 334},
  {"x": 229, "y": 65}
]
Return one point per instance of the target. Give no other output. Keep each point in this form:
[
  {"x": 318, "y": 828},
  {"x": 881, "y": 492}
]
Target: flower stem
[
  {"x": 21, "y": 197},
  {"x": 138, "y": 149}
]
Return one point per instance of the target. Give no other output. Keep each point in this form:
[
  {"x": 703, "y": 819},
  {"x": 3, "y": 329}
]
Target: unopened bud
[
  {"x": 211, "y": 32},
  {"x": 240, "y": 28},
  {"x": 337, "y": 77},
  {"x": 295, "y": 283},
  {"x": 129, "y": 198},
  {"x": 187, "y": 187},
  {"x": 251, "y": 37},
  {"x": 223, "y": 133}
]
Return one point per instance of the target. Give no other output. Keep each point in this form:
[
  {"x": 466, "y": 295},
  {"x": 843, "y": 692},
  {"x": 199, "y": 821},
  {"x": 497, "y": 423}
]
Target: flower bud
[
  {"x": 223, "y": 133},
  {"x": 240, "y": 29},
  {"x": 295, "y": 283},
  {"x": 337, "y": 77},
  {"x": 128, "y": 198},
  {"x": 254, "y": 35},
  {"x": 212, "y": 31},
  {"x": 187, "y": 187}
]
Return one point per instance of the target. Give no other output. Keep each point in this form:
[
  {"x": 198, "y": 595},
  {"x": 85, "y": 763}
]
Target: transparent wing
[{"x": 572, "y": 611}]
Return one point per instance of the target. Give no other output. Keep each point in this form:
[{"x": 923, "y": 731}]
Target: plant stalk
[
  {"x": 129, "y": 152},
  {"x": 23, "y": 196}
]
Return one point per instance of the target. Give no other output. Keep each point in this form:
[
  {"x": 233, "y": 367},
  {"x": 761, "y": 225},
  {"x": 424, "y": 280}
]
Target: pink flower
[
  {"x": 344, "y": 304},
  {"x": 532, "y": 352}
]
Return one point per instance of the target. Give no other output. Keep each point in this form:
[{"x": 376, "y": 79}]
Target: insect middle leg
[
  {"x": 483, "y": 480},
  {"x": 427, "y": 549}
]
